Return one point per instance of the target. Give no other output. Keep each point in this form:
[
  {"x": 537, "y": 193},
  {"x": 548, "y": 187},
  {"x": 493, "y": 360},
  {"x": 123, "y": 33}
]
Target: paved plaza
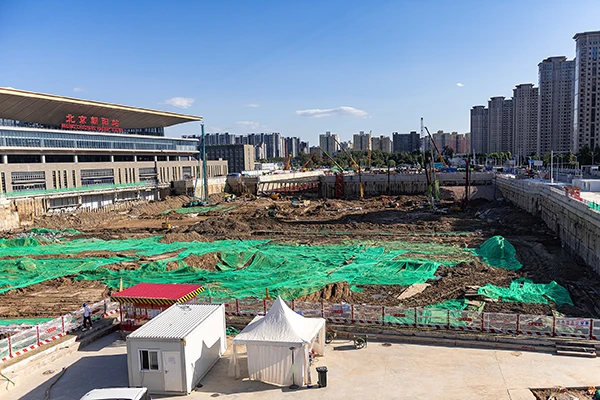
[{"x": 399, "y": 371}]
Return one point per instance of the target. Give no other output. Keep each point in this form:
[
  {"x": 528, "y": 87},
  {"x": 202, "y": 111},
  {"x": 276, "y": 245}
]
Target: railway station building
[{"x": 79, "y": 153}]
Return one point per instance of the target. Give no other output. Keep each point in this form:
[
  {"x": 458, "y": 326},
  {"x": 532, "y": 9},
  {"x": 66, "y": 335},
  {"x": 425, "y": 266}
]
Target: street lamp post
[{"x": 552, "y": 166}]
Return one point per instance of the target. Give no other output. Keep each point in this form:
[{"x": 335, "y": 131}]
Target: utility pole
[
  {"x": 552, "y": 166},
  {"x": 204, "y": 166}
]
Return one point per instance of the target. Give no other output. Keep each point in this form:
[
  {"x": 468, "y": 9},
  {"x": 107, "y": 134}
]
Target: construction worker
[{"x": 87, "y": 316}]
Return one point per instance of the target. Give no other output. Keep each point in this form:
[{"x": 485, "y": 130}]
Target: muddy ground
[{"x": 330, "y": 221}]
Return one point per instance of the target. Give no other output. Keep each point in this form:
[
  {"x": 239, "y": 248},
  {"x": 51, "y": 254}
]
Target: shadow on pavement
[{"x": 86, "y": 374}]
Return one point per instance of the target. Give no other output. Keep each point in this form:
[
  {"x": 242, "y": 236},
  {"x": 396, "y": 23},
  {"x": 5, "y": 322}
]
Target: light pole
[
  {"x": 551, "y": 166},
  {"x": 204, "y": 166}
]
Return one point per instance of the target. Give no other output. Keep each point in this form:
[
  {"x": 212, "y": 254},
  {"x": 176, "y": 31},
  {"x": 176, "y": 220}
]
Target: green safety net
[
  {"x": 23, "y": 321},
  {"x": 47, "y": 231},
  {"x": 498, "y": 252},
  {"x": 525, "y": 291},
  {"x": 79, "y": 189},
  {"x": 452, "y": 304},
  {"x": 242, "y": 268}
]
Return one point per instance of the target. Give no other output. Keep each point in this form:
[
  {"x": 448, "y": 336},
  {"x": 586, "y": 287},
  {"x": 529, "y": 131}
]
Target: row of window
[{"x": 14, "y": 138}]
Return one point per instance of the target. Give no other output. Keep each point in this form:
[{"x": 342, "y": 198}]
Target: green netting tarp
[
  {"x": 45, "y": 231},
  {"x": 498, "y": 252},
  {"x": 525, "y": 291},
  {"x": 243, "y": 268},
  {"x": 452, "y": 304},
  {"x": 23, "y": 321}
]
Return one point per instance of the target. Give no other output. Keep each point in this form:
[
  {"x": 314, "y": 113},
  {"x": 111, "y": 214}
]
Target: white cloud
[
  {"x": 78, "y": 89},
  {"x": 252, "y": 105},
  {"x": 180, "y": 102},
  {"x": 460, "y": 84},
  {"x": 328, "y": 112},
  {"x": 248, "y": 124}
]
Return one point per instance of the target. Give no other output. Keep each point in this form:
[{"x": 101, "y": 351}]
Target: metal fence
[
  {"x": 36, "y": 336},
  {"x": 515, "y": 324},
  {"x": 452, "y": 320}
]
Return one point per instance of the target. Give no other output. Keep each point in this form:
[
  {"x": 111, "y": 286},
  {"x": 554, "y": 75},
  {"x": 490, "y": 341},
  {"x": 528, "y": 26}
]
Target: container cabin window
[{"x": 148, "y": 360}]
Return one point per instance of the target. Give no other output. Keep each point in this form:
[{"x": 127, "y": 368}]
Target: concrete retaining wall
[
  {"x": 28, "y": 208},
  {"x": 377, "y": 184},
  {"x": 577, "y": 225},
  {"x": 9, "y": 218}
]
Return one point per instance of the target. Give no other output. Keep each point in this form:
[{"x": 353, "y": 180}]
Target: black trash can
[{"x": 322, "y": 376}]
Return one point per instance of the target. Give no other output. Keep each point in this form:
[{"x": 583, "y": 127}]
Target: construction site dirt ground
[{"x": 329, "y": 221}]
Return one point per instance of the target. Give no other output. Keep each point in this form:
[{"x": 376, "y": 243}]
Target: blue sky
[{"x": 296, "y": 67}]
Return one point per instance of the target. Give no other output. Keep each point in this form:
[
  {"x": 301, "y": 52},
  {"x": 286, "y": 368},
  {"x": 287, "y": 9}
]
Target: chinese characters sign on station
[{"x": 91, "y": 123}]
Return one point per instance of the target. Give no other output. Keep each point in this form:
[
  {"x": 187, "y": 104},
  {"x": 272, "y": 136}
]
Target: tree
[
  {"x": 585, "y": 155},
  {"x": 493, "y": 156}
]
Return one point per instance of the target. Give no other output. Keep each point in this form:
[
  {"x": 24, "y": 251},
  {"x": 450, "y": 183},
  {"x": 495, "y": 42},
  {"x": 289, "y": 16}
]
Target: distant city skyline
[{"x": 298, "y": 68}]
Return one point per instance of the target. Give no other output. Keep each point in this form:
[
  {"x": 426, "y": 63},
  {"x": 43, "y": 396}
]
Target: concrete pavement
[{"x": 401, "y": 371}]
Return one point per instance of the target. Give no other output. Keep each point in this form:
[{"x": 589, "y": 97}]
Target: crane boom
[
  {"x": 332, "y": 159},
  {"x": 436, "y": 149},
  {"x": 306, "y": 163}
]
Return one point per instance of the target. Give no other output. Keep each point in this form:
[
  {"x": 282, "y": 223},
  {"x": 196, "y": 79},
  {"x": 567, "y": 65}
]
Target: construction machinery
[
  {"x": 195, "y": 202},
  {"x": 165, "y": 224},
  {"x": 306, "y": 163},
  {"x": 339, "y": 177},
  {"x": 436, "y": 149},
  {"x": 332, "y": 160},
  {"x": 356, "y": 168},
  {"x": 287, "y": 162},
  {"x": 369, "y": 154}
]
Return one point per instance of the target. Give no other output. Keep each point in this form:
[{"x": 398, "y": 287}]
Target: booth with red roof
[{"x": 144, "y": 301}]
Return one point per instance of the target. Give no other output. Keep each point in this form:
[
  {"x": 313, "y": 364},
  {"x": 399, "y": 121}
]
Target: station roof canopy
[
  {"x": 158, "y": 293},
  {"x": 48, "y": 109}
]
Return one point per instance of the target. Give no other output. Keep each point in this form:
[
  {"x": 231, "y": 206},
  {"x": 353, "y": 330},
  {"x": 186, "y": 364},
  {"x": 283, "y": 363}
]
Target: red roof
[{"x": 158, "y": 291}]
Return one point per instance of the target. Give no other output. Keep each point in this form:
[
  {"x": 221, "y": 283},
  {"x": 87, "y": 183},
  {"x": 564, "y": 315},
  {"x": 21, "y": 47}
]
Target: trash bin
[{"x": 322, "y": 376}]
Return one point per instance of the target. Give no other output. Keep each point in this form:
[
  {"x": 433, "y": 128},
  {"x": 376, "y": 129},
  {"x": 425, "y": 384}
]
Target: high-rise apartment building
[
  {"x": 219, "y": 138},
  {"x": 260, "y": 151},
  {"x": 525, "y": 121},
  {"x": 329, "y": 143},
  {"x": 405, "y": 142},
  {"x": 292, "y": 146},
  {"x": 500, "y": 124},
  {"x": 382, "y": 143},
  {"x": 586, "y": 111},
  {"x": 463, "y": 143},
  {"x": 555, "y": 109},
  {"x": 362, "y": 141},
  {"x": 240, "y": 157},
  {"x": 304, "y": 147},
  {"x": 346, "y": 146},
  {"x": 479, "y": 129}
]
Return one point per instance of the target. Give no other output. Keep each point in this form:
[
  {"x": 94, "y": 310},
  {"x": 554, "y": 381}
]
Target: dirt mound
[
  {"x": 182, "y": 237},
  {"x": 454, "y": 281},
  {"x": 122, "y": 266},
  {"x": 223, "y": 226},
  {"x": 332, "y": 293},
  {"x": 50, "y": 299},
  {"x": 206, "y": 261},
  {"x": 519, "y": 308}
]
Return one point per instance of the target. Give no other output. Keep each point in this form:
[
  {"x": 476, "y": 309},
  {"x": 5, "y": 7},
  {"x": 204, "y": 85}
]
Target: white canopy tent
[{"x": 269, "y": 340}]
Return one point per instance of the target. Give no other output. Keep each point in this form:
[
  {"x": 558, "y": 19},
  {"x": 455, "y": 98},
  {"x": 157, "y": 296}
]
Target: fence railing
[
  {"x": 39, "y": 335},
  {"x": 414, "y": 317},
  {"x": 342, "y": 313}
]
